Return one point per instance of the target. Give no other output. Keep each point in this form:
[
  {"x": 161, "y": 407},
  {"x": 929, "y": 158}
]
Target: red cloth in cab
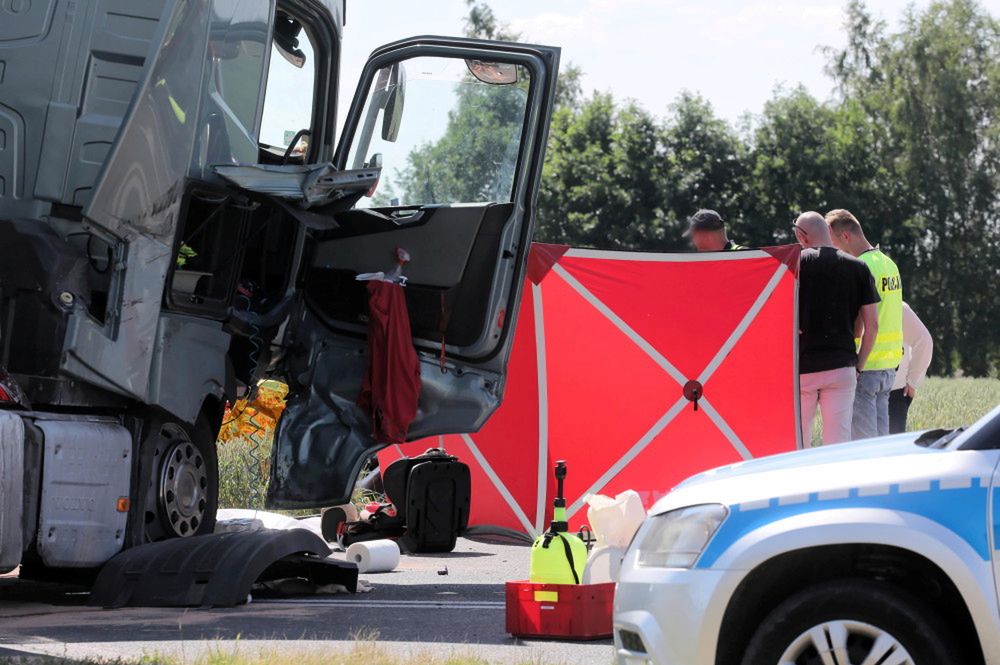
[{"x": 391, "y": 387}]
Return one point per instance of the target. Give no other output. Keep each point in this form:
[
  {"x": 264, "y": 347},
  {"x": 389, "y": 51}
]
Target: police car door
[{"x": 458, "y": 128}]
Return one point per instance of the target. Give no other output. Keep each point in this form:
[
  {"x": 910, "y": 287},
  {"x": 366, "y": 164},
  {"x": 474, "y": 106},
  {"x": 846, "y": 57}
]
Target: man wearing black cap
[{"x": 707, "y": 232}]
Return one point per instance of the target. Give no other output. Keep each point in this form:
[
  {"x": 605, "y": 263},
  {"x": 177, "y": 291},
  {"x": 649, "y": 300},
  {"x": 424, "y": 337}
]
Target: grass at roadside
[
  {"x": 244, "y": 465},
  {"x": 946, "y": 403},
  {"x": 953, "y": 402},
  {"x": 367, "y": 652}
]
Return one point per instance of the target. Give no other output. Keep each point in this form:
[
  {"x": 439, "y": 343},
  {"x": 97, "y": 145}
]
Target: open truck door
[{"x": 458, "y": 128}]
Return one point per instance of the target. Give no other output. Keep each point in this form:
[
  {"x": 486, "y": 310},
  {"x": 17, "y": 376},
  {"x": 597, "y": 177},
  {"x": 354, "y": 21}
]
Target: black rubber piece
[{"x": 215, "y": 570}]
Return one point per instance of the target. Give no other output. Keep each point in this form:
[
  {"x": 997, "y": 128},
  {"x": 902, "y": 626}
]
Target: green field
[
  {"x": 946, "y": 403},
  {"x": 953, "y": 402}
]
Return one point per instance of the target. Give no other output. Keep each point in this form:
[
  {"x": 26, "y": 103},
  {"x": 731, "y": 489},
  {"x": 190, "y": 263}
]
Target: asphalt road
[{"x": 442, "y": 604}]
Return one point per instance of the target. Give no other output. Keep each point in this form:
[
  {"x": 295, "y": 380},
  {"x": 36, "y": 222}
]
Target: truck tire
[
  {"x": 180, "y": 475},
  {"x": 853, "y": 618}
]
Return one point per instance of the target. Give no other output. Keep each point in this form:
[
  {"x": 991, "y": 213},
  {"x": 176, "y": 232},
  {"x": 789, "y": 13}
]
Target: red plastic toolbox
[{"x": 562, "y": 611}]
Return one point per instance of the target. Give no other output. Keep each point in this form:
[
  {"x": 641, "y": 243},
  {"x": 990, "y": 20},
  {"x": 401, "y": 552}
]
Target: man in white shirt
[{"x": 918, "y": 346}]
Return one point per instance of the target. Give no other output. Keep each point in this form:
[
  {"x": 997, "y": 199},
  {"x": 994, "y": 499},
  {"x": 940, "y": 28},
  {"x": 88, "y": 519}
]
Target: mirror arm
[{"x": 291, "y": 146}]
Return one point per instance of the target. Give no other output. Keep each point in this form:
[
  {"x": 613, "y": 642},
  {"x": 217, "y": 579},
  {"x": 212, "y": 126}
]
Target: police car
[{"x": 880, "y": 552}]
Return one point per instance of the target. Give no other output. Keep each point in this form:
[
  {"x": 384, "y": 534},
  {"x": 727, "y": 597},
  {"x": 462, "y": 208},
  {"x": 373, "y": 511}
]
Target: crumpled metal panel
[
  {"x": 136, "y": 203},
  {"x": 189, "y": 363},
  {"x": 11, "y": 490},
  {"x": 307, "y": 185},
  {"x": 323, "y": 438},
  {"x": 87, "y": 467},
  {"x": 216, "y": 570},
  {"x": 173, "y": 132}
]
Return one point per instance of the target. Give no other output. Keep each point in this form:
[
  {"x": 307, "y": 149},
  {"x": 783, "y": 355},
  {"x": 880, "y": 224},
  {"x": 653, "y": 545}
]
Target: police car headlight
[{"x": 676, "y": 539}]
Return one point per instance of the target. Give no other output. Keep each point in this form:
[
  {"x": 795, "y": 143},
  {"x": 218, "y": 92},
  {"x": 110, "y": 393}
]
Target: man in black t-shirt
[{"x": 835, "y": 291}]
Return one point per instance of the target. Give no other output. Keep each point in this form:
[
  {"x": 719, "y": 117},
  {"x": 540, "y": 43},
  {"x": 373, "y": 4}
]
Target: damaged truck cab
[{"x": 177, "y": 222}]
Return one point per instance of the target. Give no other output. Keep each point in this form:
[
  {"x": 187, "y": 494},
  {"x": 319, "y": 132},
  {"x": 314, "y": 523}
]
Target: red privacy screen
[{"x": 639, "y": 370}]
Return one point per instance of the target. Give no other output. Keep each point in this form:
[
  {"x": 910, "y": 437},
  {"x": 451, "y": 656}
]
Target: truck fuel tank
[{"x": 76, "y": 491}]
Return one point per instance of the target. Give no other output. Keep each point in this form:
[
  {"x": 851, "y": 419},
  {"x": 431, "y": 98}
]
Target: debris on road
[
  {"x": 374, "y": 556},
  {"x": 216, "y": 570}
]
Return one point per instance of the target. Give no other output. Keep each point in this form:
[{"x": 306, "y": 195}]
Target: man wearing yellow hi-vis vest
[{"x": 875, "y": 379}]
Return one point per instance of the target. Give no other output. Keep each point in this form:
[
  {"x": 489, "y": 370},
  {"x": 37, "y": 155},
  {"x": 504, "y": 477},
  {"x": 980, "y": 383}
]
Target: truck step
[{"x": 216, "y": 570}]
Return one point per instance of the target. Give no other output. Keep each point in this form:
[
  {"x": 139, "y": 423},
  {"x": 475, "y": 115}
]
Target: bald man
[{"x": 836, "y": 290}]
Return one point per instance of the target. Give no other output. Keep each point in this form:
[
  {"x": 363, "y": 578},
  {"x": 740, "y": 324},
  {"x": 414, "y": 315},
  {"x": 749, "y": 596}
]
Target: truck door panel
[
  {"x": 442, "y": 238},
  {"x": 458, "y": 128},
  {"x": 447, "y": 295}
]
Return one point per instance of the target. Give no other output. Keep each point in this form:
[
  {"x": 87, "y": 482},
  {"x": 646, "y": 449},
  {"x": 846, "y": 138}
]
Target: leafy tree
[
  {"x": 936, "y": 87},
  {"x": 602, "y": 180},
  {"x": 482, "y": 23},
  {"x": 705, "y": 166},
  {"x": 483, "y": 130},
  {"x": 483, "y": 133},
  {"x": 910, "y": 144}
]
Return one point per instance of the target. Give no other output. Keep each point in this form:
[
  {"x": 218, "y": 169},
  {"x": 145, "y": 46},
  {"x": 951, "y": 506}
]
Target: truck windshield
[{"x": 288, "y": 100}]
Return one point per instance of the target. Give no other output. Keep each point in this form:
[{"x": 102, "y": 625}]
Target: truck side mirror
[
  {"x": 286, "y": 39},
  {"x": 392, "y": 114}
]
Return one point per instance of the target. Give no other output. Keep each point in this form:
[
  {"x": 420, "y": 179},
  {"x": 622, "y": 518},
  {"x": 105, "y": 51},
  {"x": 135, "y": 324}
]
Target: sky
[{"x": 734, "y": 52}]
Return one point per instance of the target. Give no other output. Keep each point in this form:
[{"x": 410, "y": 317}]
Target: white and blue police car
[{"x": 879, "y": 552}]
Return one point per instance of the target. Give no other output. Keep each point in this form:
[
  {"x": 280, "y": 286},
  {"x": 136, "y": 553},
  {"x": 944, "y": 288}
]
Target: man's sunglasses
[{"x": 800, "y": 229}]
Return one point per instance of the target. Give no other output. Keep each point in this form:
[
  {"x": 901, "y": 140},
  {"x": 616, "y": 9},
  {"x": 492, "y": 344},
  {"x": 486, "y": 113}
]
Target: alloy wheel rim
[
  {"x": 183, "y": 487},
  {"x": 846, "y": 642}
]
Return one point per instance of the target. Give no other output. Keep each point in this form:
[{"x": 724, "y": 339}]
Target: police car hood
[{"x": 881, "y": 466}]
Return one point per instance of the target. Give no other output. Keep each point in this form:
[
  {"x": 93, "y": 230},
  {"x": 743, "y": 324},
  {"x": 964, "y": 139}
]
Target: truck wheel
[
  {"x": 852, "y": 622},
  {"x": 182, "y": 484}
]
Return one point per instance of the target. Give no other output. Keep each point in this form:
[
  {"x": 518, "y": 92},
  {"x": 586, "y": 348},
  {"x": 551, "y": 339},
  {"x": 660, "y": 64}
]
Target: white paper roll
[{"x": 374, "y": 556}]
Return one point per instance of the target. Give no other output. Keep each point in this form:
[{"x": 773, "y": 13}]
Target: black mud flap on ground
[{"x": 216, "y": 570}]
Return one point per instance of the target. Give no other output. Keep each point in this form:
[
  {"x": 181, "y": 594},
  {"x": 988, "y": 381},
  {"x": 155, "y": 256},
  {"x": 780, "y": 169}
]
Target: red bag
[{"x": 391, "y": 387}]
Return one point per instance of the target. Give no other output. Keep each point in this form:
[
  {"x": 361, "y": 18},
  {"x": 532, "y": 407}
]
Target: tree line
[{"x": 910, "y": 143}]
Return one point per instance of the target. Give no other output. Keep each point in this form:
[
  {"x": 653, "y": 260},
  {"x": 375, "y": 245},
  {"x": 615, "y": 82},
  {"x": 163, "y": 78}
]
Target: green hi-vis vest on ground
[{"x": 888, "y": 349}]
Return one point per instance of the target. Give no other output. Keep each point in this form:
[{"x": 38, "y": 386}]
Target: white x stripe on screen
[
  {"x": 499, "y": 484},
  {"x": 675, "y": 409},
  {"x": 674, "y": 373}
]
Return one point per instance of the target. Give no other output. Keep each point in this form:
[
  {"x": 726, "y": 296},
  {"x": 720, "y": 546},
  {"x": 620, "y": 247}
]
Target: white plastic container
[
  {"x": 615, "y": 521},
  {"x": 603, "y": 565}
]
